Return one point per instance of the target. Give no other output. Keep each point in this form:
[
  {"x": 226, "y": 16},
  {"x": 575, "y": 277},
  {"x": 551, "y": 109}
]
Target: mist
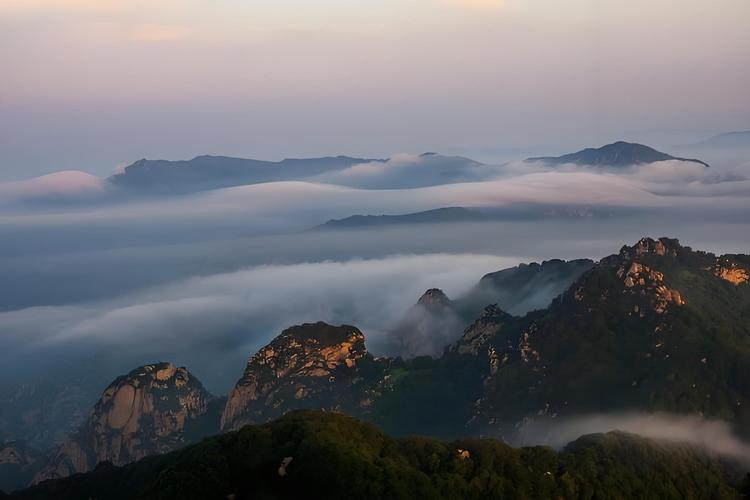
[
  {"x": 713, "y": 436},
  {"x": 213, "y": 324},
  {"x": 96, "y": 284}
]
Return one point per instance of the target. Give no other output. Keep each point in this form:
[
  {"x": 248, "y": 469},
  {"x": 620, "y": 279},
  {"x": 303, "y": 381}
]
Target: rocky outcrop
[
  {"x": 311, "y": 366},
  {"x": 641, "y": 287},
  {"x": 482, "y": 331},
  {"x": 145, "y": 412},
  {"x": 435, "y": 299},
  {"x": 730, "y": 271}
]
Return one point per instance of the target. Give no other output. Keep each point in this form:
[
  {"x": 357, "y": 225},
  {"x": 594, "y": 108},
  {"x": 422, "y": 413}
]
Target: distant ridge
[
  {"x": 617, "y": 154},
  {"x": 212, "y": 172},
  {"x": 446, "y": 214}
]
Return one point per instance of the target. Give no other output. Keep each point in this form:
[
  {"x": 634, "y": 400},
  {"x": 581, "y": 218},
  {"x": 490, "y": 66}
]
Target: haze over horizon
[{"x": 91, "y": 85}]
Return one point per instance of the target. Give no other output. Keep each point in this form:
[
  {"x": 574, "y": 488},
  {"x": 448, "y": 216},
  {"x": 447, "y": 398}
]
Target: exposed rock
[
  {"x": 645, "y": 246},
  {"x": 641, "y": 283},
  {"x": 284, "y": 464},
  {"x": 731, "y": 272},
  {"x": 143, "y": 413},
  {"x": 307, "y": 366},
  {"x": 642, "y": 280},
  {"x": 482, "y": 331},
  {"x": 434, "y": 298},
  {"x": 628, "y": 334}
]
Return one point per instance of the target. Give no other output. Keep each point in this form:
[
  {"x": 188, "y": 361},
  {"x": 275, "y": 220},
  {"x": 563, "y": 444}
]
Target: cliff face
[
  {"x": 307, "y": 366},
  {"x": 482, "y": 331},
  {"x": 143, "y": 413}
]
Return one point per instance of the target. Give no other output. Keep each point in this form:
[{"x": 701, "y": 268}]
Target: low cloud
[
  {"x": 714, "y": 436},
  {"x": 69, "y": 185},
  {"x": 205, "y": 321},
  {"x": 409, "y": 171}
]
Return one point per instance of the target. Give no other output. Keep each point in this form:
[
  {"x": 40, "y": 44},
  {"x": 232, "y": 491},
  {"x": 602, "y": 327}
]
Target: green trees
[{"x": 335, "y": 456}]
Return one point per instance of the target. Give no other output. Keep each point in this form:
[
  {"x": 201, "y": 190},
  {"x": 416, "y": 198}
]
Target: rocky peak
[
  {"x": 311, "y": 349},
  {"x": 637, "y": 278},
  {"x": 314, "y": 365},
  {"x": 648, "y": 246},
  {"x": 434, "y": 298},
  {"x": 641, "y": 280},
  {"x": 142, "y": 413},
  {"x": 482, "y": 331}
]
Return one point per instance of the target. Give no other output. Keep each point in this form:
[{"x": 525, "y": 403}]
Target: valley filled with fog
[{"x": 93, "y": 270}]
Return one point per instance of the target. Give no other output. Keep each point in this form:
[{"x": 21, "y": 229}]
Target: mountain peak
[
  {"x": 662, "y": 246},
  {"x": 482, "y": 331},
  {"x": 139, "y": 414},
  {"x": 434, "y": 298},
  {"x": 319, "y": 335},
  {"x": 308, "y": 365},
  {"x": 616, "y": 154}
]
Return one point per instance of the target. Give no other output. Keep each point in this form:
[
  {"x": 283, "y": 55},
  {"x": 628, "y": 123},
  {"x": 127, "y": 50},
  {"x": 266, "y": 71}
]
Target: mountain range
[
  {"x": 212, "y": 172},
  {"x": 153, "y": 178},
  {"x": 658, "y": 326}
]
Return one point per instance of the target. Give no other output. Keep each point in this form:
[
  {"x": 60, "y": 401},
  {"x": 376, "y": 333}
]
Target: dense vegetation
[{"x": 335, "y": 456}]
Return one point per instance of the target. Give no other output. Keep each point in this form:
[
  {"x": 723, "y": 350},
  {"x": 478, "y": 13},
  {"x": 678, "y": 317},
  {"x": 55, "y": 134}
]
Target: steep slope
[
  {"x": 435, "y": 321},
  {"x": 617, "y": 154},
  {"x": 308, "y": 454},
  {"x": 523, "y": 288},
  {"x": 314, "y": 365},
  {"x": 656, "y": 327},
  {"x": 148, "y": 411}
]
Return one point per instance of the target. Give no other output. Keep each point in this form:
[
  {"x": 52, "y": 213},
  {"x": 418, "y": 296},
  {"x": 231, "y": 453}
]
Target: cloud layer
[{"x": 223, "y": 318}]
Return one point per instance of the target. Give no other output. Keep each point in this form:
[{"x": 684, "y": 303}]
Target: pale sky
[{"x": 90, "y": 84}]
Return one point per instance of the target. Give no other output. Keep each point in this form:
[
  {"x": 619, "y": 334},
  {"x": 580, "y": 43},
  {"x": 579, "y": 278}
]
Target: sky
[{"x": 93, "y": 84}]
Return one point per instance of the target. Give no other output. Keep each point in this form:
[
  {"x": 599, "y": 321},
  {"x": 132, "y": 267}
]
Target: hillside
[
  {"x": 307, "y": 454},
  {"x": 656, "y": 327}
]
